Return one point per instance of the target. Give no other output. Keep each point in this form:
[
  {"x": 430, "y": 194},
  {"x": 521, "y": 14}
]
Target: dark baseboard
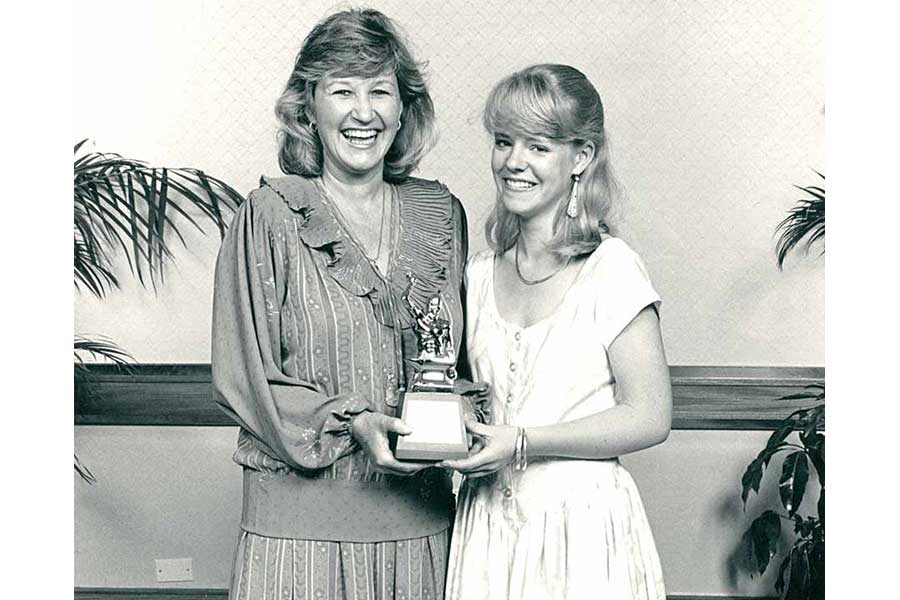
[
  {"x": 729, "y": 398},
  {"x": 150, "y": 594},
  {"x": 218, "y": 594},
  {"x": 715, "y": 597}
]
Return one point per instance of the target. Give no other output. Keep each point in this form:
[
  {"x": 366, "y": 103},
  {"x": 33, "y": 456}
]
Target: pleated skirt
[
  {"x": 268, "y": 568},
  {"x": 562, "y": 530}
]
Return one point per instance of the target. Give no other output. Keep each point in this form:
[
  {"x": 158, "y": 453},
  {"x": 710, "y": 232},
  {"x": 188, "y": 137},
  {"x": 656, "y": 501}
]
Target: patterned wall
[{"x": 714, "y": 109}]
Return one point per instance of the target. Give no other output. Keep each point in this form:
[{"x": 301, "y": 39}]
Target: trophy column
[{"x": 430, "y": 407}]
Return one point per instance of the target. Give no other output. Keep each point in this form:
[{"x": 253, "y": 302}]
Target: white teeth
[
  {"x": 359, "y": 134},
  {"x": 519, "y": 185},
  {"x": 362, "y": 138}
]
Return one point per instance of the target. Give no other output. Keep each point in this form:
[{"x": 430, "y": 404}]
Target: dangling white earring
[
  {"x": 572, "y": 208},
  {"x": 399, "y": 123}
]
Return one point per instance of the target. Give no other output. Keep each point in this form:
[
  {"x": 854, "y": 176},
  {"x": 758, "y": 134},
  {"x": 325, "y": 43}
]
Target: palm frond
[
  {"x": 83, "y": 471},
  {"x": 125, "y": 206},
  {"x": 805, "y": 220},
  {"x": 99, "y": 347}
]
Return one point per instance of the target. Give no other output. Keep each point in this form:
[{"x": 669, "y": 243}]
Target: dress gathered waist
[{"x": 289, "y": 505}]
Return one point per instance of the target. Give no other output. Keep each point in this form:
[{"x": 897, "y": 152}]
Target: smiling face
[
  {"x": 357, "y": 119},
  {"x": 534, "y": 174}
]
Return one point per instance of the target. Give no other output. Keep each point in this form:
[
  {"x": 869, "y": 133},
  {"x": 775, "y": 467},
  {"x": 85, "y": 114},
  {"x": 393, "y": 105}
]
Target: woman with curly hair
[{"x": 310, "y": 332}]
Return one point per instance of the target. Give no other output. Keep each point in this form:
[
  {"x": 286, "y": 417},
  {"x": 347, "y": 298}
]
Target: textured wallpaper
[{"x": 715, "y": 109}]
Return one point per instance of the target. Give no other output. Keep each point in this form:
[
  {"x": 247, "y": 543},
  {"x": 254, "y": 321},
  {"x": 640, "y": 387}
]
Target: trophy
[{"x": 430, "y": 407}]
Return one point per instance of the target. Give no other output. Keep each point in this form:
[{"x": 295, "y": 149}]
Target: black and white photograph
[{"x": 423, "y": 300}]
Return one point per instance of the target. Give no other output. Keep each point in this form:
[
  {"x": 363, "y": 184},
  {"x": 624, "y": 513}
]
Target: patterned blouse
[{"x": 308, "y": 333}]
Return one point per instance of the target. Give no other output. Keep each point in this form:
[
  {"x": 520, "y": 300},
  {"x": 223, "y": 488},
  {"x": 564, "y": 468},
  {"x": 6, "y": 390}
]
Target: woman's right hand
[
  {"x": 370, "y": 430},
  {"x": 494, "y": 448}
]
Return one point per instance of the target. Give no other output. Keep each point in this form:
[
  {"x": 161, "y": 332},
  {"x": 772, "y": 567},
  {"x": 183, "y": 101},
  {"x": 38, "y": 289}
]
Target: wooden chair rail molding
[{"x": 730, "y": 398}]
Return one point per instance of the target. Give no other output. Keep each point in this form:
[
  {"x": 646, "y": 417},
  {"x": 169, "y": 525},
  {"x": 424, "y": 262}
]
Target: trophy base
[
  {"x": 434, "y": 376},
  {"x": 438, "y": 424}
]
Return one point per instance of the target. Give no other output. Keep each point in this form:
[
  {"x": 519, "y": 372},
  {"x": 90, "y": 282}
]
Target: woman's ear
[
  {"x": 583, "y": 157},
  {"x": 309, "y": 104}
]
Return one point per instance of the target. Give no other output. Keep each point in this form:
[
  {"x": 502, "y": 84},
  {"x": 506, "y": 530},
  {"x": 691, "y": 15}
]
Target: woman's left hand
[{"x": 494, "y": 449}]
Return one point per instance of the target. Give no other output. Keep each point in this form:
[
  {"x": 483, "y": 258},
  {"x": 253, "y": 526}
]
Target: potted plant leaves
[
  {"x": 127, "y": 207},
  {"x": 801, "y": 574}
]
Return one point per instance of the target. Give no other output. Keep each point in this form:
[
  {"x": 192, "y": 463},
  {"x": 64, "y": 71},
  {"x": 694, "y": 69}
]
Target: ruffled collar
[{"x": 423, "y": 248}]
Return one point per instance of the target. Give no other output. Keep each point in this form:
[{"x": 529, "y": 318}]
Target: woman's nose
[
  {"x": 362, "y": 108},
  {"x": 515, "y": 160}
]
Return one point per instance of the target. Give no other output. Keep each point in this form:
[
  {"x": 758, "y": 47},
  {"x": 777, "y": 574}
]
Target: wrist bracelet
[
  {"x": 517, "y": 449},
  {"x": 520, "y": 458}
]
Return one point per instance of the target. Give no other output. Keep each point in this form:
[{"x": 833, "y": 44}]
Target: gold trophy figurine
[{"x": 430, "y": 407}]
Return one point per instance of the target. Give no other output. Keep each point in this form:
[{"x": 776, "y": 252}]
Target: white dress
[{"x": 561, "y": 529}]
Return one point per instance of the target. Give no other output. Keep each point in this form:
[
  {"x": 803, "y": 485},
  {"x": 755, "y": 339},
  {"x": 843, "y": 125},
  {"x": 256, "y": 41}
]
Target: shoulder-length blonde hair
[
  {"x": 556, "y": 102},
  {"x": 354, "y": 43}
]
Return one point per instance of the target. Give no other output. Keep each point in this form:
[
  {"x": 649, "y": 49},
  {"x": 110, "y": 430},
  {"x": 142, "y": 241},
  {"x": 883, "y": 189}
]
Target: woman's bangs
[
  {"x": 521, "y": 109},
  {"x": 360, "y": 58}
]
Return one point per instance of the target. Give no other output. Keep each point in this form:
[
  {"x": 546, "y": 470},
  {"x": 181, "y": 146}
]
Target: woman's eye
[
  {"x": 501, "y": 143},
  {"x": 381, "y": 92},
  {"x": 341, "y": 93},
  {"x": 540, "y": 149}
]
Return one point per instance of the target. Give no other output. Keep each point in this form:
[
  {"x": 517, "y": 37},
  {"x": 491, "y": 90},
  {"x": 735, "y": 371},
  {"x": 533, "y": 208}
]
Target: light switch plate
[{"x": 174, "y": 569}]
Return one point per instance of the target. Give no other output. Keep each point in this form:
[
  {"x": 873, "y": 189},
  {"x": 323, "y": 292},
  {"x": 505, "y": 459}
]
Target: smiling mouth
[
  {"x": 361, "y": 138},
  {"x": 519, "y": 185}
]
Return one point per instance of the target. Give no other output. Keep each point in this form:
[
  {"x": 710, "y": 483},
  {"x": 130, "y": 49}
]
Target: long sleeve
[{"x": 292, "y": 420}]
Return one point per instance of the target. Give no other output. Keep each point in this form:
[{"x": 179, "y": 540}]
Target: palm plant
[
  {"x": 126, "y": 207},
  {"x": 805, "y": 220},
  {"x": 801, "y": 575}
]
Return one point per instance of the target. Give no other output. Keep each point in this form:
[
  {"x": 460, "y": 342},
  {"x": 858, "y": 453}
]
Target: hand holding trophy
[{"x": 430, "y": 407}]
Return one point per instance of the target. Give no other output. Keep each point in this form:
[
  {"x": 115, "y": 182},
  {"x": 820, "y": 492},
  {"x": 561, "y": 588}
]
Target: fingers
[
  {"x": 477, "y": 428},
  {"x": 482, "y": 460},
  {"x": 475, "y": 472},
  {"x": 393, "y": 466},
  {"x": 368, "y": 425},
  {"x": 465, "y": 465},
  {"x": 489, "y": 453},
  {"x": 450, "y": 464},
  {"x": 383, "y": 461},
  {"x": 397, "y": 426},
  {"x": 371, "y": 431}
]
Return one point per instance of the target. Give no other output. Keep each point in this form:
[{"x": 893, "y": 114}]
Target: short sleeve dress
[{"x": 563, "y": 528}]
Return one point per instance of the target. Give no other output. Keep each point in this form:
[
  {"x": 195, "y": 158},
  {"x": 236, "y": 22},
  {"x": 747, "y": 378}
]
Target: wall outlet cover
[{"x": 174, "y": 569}]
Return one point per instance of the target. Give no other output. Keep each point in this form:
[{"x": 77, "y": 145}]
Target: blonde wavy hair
[
  {"x": 354, "y": 43},
  {"x": 556, "y": 102}
]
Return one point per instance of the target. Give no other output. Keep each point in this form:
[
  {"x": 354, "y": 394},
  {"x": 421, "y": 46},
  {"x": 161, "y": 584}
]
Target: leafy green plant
[
  {"x": 125, "y": 207},
  {"x": 801, "y": 575}
]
